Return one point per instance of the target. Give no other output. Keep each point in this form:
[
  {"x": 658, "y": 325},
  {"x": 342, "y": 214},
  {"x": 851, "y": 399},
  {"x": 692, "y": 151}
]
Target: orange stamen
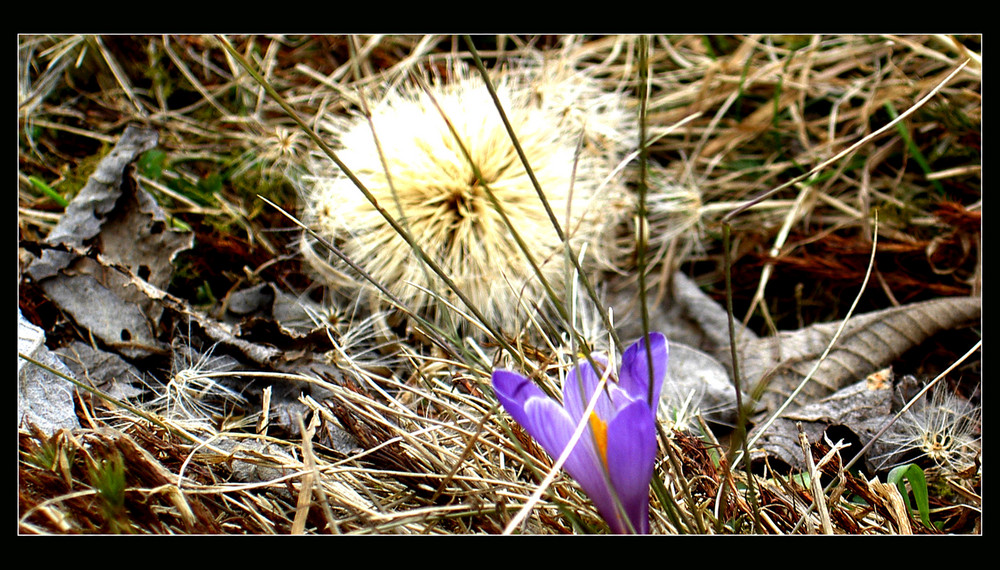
[{"x": 600, "y": 430}]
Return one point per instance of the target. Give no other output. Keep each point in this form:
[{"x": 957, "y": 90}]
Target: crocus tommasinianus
[{"x": 615, "y": 455}]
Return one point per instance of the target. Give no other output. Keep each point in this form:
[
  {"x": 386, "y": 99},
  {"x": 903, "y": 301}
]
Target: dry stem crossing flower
[{"x": 613, "y": 461}]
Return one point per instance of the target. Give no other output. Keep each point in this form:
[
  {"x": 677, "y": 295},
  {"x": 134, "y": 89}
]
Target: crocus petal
[
  {"x": 584, "y": 377},
  {"x": 634, "y": 372},
  {"x": 619, "y": 397},
  {"x": 547, "y": 422},
  {"x": 631, "y": 460},
  {"x": 552, "y": 428},
  {"x": 513, "y": 391},
  {"x": 617, "y": 480}
]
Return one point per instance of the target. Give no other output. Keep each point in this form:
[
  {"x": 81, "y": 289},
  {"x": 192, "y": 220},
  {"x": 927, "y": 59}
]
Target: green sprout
[
  {"x": 918, "y": 484},
  {"x": 107, "y": 477},
  {"x": 40, "y": 184}
]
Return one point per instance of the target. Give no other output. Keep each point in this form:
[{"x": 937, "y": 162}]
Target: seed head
[
  {"x": 942, "y": 430},
  {"x": 410, "y": 161},
  {"x": 196, "y": 394}
]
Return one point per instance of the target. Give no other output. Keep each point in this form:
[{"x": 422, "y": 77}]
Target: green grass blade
[
  {"x": 912, "y": 147},
  {"x": 918, "y": 484},
  {"x": 44, "y": 188}
]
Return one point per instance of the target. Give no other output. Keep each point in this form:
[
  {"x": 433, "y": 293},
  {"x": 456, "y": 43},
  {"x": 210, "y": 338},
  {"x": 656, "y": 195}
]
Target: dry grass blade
[{"x": 854, "y": 146}]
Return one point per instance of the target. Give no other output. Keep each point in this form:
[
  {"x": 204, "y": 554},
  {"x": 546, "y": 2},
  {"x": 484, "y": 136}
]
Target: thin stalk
[
  {"x": 641, "y": 265},
  {"x": 740, "y": 435},
  {"x": 698, "y": 522},
  {"x": 641, "y": 262},
  {"x": 668, "y": 504},
  {"x": 641, "y": 214},
  {"x": 538, "y": 189},
  {"x": 570, "y": 279}
]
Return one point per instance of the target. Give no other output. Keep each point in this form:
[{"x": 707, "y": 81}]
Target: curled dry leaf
[
  {"x": 869, "y": 342},
  {"x": 86, "y": 214},
  {"x": 121, "y": 221},
  {"x": 285, "y": 320}
]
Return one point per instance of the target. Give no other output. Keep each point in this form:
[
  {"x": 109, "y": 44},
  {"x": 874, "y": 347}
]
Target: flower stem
[{"x": 641, "y": 214}]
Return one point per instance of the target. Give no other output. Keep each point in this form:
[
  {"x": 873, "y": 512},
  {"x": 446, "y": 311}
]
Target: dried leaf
[
  {"x": 127, "y": 226},
  {"x": 85, "y": 215},
  {"x": 265, "y": 311},
  {"x": 863, "y": 408},
  {"x": 103, "y": 370},
  {"x": 868, "y": 343},
  {"x": 696, "y": 382},
  {"x": 43, "y": 398}
]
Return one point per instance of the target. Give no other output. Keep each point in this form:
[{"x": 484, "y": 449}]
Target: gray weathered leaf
[
  {"x": 863, "y": 408},
  {"x": 696, "y": 383},
  {"x": 868, "y": 343},
  {"x": 85, "y": 215},
  {"x": 106, "y": 371},
  {"x": 43, "y": 398},
  {"x": 125, "y": 224}
]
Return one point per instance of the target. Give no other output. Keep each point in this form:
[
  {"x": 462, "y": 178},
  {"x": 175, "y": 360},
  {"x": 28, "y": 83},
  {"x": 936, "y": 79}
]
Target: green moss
[{"x": 76, "y": 178}]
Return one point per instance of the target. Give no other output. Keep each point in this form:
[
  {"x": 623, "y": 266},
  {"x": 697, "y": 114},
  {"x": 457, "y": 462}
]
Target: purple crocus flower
[{"x": 615, "y": 455}]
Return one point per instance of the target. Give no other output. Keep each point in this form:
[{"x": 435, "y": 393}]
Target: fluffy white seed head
[
  {"x": 412, "y": 164},
  {"x": 196, "y": 394},
  {"x": 941, "y": 431}
]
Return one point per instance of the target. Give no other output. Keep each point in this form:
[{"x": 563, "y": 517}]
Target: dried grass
[{"x": 434, "y": 455}]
